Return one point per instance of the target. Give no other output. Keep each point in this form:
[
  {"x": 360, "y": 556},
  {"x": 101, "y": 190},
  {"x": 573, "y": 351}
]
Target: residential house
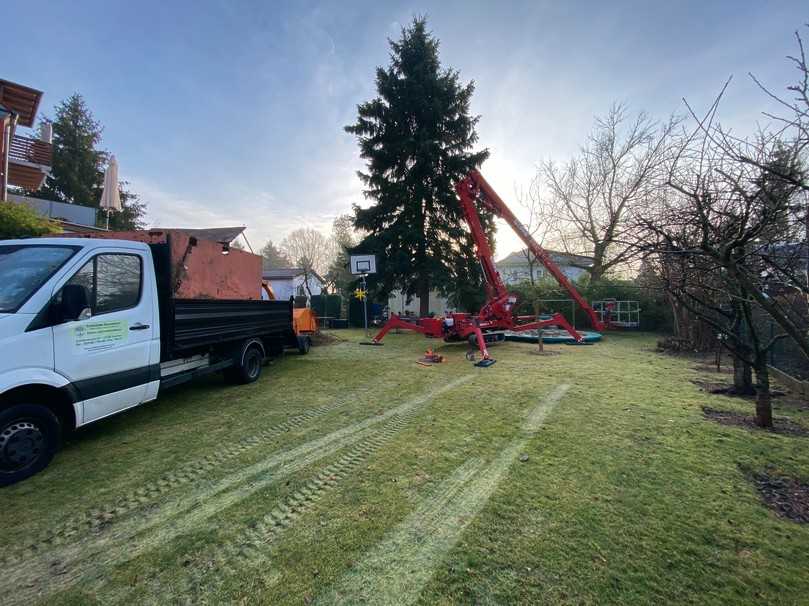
[
  {"x": 25, "y": 161},
  {"x": 289, "y": 282},
  {"x": 515, "y": 267}
]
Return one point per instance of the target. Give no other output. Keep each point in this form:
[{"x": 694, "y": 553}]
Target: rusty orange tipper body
[{"x": 199, "y": 270}]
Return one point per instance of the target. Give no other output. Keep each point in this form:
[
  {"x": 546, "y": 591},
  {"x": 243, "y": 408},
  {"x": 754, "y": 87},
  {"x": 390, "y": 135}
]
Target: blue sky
[{"x": 232, "y": 112}]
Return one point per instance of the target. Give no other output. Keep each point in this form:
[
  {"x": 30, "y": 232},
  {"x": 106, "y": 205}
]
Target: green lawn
[{"x": 353, "y": 475}]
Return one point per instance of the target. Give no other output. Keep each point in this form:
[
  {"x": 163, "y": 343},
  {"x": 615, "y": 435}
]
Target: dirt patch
[
  {"x": 714, "y": 387},
  {"x": 781, "y": 425},
  {"x": 711, "y": 368},
  {"x": 321, "y": 339},
  {"x": 788, "y": 497},
  {"x": 727, "y": 389}
]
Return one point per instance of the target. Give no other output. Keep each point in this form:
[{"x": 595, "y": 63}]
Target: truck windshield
[{"x": 26, "y": 267}]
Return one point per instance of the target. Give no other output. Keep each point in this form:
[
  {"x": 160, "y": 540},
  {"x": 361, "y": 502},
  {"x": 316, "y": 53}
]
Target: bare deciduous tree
[
  {"x": 535, "y": 221},
  {"x": 591, "y": 198},
  {"x": 792, "y": 133},
  {"x": 715, "y": 238},
  {"x": 310, "y": 250}
]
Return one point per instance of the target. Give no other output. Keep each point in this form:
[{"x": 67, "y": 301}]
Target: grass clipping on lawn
[{"x": 352, "y": 473}]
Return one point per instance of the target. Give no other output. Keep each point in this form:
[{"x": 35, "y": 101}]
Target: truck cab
[{"x": 80, "y": 340}]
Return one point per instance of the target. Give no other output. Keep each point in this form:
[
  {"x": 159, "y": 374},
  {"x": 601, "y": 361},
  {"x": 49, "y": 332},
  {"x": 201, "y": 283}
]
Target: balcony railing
[{"x": 25, "y": 149}]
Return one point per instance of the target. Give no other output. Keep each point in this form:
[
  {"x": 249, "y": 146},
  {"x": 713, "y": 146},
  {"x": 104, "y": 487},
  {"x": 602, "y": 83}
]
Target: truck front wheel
[
  {"x": 249, "y": 368},
  {"x": 30, "y": 435}
]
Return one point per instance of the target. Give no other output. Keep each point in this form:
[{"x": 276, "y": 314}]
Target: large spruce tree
[
  {"x": 417, "y": 137},
  {"x": 77, "y": 174}
]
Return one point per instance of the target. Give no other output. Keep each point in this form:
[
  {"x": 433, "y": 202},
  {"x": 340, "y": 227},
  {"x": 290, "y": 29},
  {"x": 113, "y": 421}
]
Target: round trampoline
[{"x": 552, "y": 336}]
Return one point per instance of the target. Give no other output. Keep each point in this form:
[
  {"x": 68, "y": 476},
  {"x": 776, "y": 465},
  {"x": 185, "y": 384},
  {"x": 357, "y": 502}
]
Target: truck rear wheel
[
  {"x": 248, "y": 369},
  {"x": 30, "y": 435},
  {"x": 304, "y": 344}
]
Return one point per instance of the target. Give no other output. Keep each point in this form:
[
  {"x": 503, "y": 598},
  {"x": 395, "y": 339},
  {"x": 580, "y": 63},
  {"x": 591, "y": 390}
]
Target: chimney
[{"x": 46, "y": 132}]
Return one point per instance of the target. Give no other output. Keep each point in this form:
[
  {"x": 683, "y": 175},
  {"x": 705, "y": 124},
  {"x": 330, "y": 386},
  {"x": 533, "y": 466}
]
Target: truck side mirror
[{"x": 75, "y": 303}]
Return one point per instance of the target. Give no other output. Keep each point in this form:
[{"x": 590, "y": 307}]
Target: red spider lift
[{"x": 496, "y": 316}]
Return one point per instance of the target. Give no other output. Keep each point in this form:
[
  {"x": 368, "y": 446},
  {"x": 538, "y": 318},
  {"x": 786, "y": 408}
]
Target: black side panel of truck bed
[
  {"x": 199, "y": 323},
  {"x": 161, "y": 256}
]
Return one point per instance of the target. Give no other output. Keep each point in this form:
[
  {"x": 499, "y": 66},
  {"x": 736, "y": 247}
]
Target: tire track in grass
[
  {"x": 397, "y": 569},
  {"x": 249, "y": 549},
  {"x": 64, "y": 566},
  {"x": 95, "y": 519}
]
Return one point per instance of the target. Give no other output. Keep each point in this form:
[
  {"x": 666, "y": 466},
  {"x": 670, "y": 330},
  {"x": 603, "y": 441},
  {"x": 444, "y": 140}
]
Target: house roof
[
  {"x": 223, "y": 235},
  {"x": 559, "y": 257},
  {"x": 21, "y": 100},
  {"x": 790, "y": 250},
  {"x": 281, "y": 273},
  {"x": 287, "y": 273}
]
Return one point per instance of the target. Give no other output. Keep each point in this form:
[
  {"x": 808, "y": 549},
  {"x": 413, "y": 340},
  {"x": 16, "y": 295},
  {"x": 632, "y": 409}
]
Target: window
[
  {"x": 24, "y": 268},
  {"x": 112, "y": 282}
]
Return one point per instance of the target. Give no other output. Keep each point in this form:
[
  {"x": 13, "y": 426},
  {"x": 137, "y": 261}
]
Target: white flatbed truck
[{"x": 92, "y": 327}]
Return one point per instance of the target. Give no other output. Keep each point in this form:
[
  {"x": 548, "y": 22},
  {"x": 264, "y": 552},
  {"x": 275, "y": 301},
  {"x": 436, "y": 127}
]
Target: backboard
[{"x": 363, "y": 264}]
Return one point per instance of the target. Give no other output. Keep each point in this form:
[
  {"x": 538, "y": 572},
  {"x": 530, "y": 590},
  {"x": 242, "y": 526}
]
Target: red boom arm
[
  {"x": 471, "y": 188},
  {"x": 495, "y": 288}
]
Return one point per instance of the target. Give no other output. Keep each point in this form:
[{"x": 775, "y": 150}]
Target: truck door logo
[{"x": 98, "y": 336}]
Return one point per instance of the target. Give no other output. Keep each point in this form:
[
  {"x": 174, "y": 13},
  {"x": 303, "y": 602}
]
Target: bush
[
  {"x": 327, "y": 305},
  {"x": 355, "y": 315},
  {"x": 19, "y": 221},
  {"x": 654, "y": 311}
]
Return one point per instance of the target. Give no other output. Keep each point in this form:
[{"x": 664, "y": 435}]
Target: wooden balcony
[
  {"x": 31, "y": 151},
  {"x": 29, "y": 162}
]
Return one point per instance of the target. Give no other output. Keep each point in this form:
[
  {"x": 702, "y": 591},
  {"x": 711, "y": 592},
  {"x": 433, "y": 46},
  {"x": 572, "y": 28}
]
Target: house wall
[
  {"x": 397, "y": 302},
  {"x": 284, "y": 288},
  {"x": 315, "y": 286},
  {"x": 514, "y": 274},
  {"x": 73, "y": 213}
]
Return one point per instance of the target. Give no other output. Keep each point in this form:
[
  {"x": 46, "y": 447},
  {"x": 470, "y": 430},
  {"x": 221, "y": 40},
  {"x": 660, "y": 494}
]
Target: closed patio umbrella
[{"x": 111, "y": 197}]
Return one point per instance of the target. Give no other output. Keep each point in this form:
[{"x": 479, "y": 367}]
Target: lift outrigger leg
[{"x": 486, "y": 360}]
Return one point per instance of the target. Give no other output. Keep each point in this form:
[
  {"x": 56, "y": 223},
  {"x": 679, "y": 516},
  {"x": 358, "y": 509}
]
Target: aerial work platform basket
[{"x": 618, "y": 314}]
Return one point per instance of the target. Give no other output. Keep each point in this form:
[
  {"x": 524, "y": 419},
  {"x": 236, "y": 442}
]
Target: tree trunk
[
  {"x": 742, "y": 378},
  {"x": 423, "y": 288},
  {"x": 424, "y": 298},
  {"x": 676, "y": 327},
  {"x": 763, "y": 397},
  {"x": 597, "y": 268}
]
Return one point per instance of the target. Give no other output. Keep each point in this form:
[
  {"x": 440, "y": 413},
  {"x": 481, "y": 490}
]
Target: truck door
[{"x": 103, "y": 346}]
